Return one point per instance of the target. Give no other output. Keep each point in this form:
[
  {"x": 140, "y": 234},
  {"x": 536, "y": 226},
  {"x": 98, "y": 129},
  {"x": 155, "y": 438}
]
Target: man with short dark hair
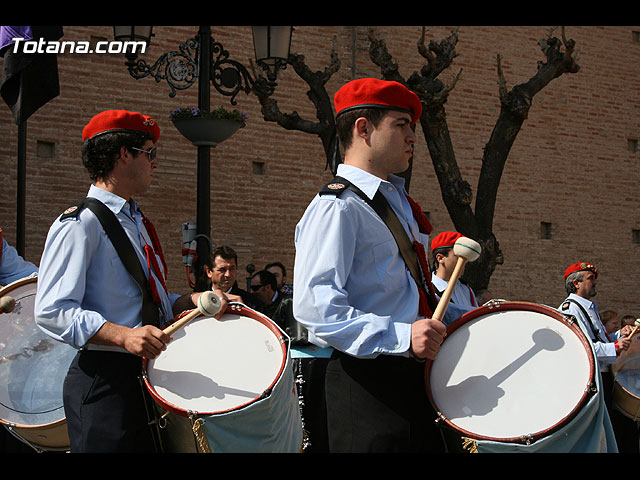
[
  {"x": 222, "y": 270},
  {"x": 277, "y": 306},
  {"x": 278, "y": 269},
  {"x": 354, "y": 291}
]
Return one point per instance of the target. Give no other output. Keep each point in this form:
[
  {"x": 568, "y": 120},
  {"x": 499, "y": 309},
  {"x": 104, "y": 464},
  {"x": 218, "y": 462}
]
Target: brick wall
[{"x": 570, "y": 166}]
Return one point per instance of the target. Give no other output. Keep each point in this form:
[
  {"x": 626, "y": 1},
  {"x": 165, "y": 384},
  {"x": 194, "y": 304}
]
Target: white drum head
[
  {"x": 215, "y": 366},
  {"x": 627, "y": 368},
  {"x": 32, "y": 364},
  {"x": 517, "y": 370}
]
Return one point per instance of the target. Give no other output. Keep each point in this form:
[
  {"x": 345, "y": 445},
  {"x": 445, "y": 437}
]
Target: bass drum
[
  {"x": 626, "y": 388},
  {"x": 32, "y": 371},
  {"x": 226, "y": 386},
  {"x": 510, "y": 372}
]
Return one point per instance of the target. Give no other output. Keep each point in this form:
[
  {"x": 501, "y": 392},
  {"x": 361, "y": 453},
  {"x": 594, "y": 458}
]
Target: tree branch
[{"x": 317, "y": 93}]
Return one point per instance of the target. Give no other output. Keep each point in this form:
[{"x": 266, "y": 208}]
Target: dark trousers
[
  {"x": 379, "y": 405},
  {"x": 313, "y": 408},
  {"x": 104, "y": 404}
]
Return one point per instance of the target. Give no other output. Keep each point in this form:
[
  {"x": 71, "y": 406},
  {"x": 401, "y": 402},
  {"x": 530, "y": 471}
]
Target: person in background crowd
[
  {"x": 222, "y": 270},
  {"x": 277, "y": 306},
  {"x": 611, "y": 321},
  {"x": 12, "y": 266},
  {"x": 278, "y": 269}
]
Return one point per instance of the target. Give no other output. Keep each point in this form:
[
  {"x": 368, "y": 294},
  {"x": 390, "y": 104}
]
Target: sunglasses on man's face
[
  {"x": 255, "y": 288},
  {"x": 152, "y": 152}
]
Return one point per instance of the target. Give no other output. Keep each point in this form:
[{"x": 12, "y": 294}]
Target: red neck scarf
[
  {"x": 424, "y": 310},
  {"x": 152, "y": 262}
]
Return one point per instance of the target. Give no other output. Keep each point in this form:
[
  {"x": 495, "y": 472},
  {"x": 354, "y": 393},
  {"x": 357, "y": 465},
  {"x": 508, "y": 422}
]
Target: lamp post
[{"x": 195, "y": 61}]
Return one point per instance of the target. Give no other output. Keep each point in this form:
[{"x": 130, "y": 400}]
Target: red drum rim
[
  {"x": 231, "y": 309},
  {"x": 568, "y": 321}
]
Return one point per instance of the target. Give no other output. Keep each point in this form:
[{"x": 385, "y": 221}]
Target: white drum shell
[{"x": 235, "y": 374}]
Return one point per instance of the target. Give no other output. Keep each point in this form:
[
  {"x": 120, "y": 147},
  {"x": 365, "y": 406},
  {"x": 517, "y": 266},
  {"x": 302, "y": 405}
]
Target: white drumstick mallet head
[
  {"x": 209, "y": 304},
  {"x": 466, "y": 248}
]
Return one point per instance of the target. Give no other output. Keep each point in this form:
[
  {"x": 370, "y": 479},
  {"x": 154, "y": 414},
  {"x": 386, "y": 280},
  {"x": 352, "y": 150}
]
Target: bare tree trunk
[{"x": 515, "y": 105}]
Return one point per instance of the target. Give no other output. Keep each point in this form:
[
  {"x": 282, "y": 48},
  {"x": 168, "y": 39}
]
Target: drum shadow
[
  {"x": 479, "y": 395},
  {"x": 191, "y": 385}
]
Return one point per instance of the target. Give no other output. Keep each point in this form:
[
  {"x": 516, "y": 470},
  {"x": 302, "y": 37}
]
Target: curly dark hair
[{"x": 99, "y": 154}]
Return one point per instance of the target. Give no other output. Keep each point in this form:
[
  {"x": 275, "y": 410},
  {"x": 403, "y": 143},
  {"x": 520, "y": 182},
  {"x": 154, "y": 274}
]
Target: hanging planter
[{"x": 207, "y": 128}]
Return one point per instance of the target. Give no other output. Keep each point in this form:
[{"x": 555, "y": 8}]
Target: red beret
[
  {"x": 121, "y": 121},
  {"x": 579, "y": 267},
  {"x": 371, "y": 92},
  {"x": 445, "y": 239}
]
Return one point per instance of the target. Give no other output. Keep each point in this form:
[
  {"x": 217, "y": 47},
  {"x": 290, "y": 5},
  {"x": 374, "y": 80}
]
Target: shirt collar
[
  {"x": 582, "y": 301},
  {"x": 366, "y": 181},
  {"x": 114, "y": 202}
]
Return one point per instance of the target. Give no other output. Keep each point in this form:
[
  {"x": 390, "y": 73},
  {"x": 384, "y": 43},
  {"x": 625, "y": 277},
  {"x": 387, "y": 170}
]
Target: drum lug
[
  {"x": 526, "y": 439},
  {"x": 493, "y": 303}
]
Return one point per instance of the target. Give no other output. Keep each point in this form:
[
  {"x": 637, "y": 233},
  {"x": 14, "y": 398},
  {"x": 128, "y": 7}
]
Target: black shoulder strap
[
  {"x": 594, "y": 330},
  {"x": 125, "y": 250},
  {"x": 388, "y": 216}
]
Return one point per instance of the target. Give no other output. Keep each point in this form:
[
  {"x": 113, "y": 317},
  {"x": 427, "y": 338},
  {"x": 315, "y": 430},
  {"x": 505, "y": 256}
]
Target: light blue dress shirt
[
  {"x": 605, "y": 351},
  {"x": 13, "y": 267},
  {"x": 83, "y": 283},
  {"x": 353, "y": 291}
]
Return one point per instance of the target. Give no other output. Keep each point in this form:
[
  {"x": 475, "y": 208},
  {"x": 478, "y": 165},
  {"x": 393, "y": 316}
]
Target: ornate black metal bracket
[{"x": 181, "y": 69}]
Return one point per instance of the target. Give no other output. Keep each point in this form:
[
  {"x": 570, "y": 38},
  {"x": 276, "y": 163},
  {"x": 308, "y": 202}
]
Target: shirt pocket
[
  {"x": 389, "y": 266},
  {"x": 120, "y": 278}
]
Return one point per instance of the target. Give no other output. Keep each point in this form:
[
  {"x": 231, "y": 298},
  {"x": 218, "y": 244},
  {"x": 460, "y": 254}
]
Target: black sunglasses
[
  {"x": 152, "y": 152},
  {"x": 256, "y": 287}
]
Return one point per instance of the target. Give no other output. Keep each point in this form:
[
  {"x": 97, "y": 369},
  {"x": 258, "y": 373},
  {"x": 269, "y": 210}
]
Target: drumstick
[
  {"x": 7, "y": 304},
  {"x": 466, "y": 250},
  {"x": 209, "y": 304}
]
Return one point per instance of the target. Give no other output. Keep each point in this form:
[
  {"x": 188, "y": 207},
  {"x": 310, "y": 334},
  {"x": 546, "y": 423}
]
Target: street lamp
[
  {"x": 195, "y": 61},
  {"x": 272, "y": 45}
]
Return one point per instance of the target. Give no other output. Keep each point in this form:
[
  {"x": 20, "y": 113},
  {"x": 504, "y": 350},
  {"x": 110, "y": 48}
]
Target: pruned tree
[{"x": 456, "y": 192}]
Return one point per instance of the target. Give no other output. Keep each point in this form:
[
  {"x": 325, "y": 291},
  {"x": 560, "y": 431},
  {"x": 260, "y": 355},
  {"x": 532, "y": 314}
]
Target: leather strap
[
  {"x": 122, "y": 244},
  {"x": 388, "y": 216}
]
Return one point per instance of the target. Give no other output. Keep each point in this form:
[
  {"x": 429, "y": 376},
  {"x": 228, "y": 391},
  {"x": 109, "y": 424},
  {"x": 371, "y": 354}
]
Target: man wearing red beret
[
  {"x": 110, "y": 307},
  {"x": 580, "y": 283},
  {"x": 361, "y": 295},
  {"x": 445, "y": 262}
]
